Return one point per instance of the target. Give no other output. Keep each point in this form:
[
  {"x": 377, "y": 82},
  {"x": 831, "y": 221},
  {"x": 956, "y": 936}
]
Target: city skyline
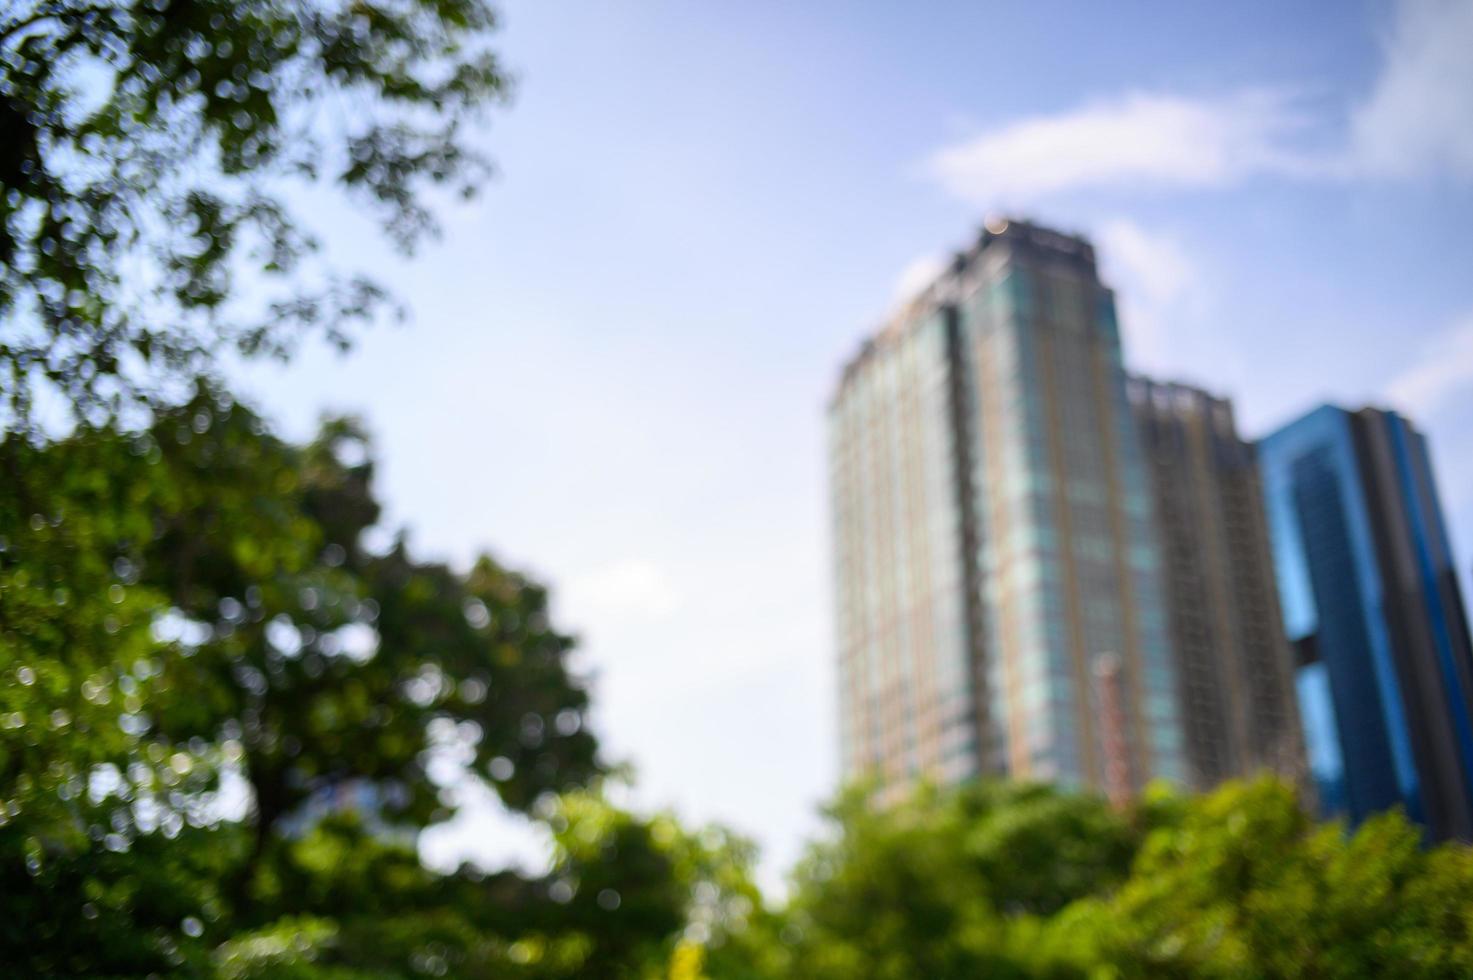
[
  {"x": 734, "y": 241},
  {"x": 951, "y": 434}
]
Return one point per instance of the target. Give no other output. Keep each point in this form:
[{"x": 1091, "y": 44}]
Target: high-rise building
[
  {"x": 999, "y": 601},
  {"x": 1234, "y": 670},
  {"x": 1371, "y": 603}
]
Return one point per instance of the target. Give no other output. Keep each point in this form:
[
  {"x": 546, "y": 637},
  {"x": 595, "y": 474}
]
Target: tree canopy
[
  {"x": 150, "y": 154},
  {"x": 1027, "y": 881},
  {"x": 193, "y": 605}
]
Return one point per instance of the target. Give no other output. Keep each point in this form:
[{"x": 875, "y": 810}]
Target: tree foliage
[
  {"x": 225, "y": 719},
  {"x": 999, "y": 880},
  {"x": 950, "y": 884},
  {"x": 1246, "y": 885},
  {"x": 201, "y": 660},
  {"x": 149, "y": 152}
]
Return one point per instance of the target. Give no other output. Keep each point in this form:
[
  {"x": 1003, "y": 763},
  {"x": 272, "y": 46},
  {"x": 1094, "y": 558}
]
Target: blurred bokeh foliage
[
  {"x": 190, "y": 624},
  {"x": 152, "y": 153},
  {"x": 229, "y": 704},
  {"x": 1003, "y": 880}
]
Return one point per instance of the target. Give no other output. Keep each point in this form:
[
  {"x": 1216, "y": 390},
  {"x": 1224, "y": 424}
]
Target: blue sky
[{"x": 618, "y": 359}]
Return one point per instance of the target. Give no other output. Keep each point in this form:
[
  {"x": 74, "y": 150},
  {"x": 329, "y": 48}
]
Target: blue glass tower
[{"x": 1372, "y": 607}]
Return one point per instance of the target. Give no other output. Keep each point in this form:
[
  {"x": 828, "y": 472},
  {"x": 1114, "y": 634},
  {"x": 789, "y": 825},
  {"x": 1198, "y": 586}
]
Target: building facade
[
  {"x": 1234, "y": 669},
  {"x": 999, "y": 601},
  {"x": 1372, "y": 606}
]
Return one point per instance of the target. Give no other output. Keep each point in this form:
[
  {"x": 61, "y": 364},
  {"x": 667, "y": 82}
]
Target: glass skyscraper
[
  {"x": 1372, "y": 606},
  {"x": 1000, "y": 608}
]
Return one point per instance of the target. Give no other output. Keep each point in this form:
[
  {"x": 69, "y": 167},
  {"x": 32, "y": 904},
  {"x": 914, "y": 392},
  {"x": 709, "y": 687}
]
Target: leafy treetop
[{"x": 148, "y": 149}]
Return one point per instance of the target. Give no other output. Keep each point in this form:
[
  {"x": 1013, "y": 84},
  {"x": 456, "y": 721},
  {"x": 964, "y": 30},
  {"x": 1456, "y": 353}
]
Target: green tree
[
  {"x": 193, "y": 606},
  {"x": 949, "y": 884},
  {"x": 148, "y": 152},
  {"x": 224, "y": 719},
  {"x": 1020, "y": 881},
  {"x": 1245, "y": 884}
]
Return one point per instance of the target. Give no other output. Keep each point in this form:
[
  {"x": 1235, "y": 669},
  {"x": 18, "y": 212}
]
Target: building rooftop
[{"x": 1040, "y": 244}]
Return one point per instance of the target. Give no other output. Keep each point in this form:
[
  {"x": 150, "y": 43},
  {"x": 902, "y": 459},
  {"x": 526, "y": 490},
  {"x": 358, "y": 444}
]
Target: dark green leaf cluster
[{"x": 147, "y": 149}]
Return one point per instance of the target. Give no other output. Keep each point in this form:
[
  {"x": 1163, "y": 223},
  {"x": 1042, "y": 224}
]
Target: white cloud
[
  {"x": 632, "y": 590},
  {"x": 1157, "y": 263},
  {"x": 1419, "y": 117},
  {"x": 1140, "y": 137},
  {"x": 1160, "y": 290},
  {"x": 1443, "y": 369},
  {"x": 919, "y": 273}
]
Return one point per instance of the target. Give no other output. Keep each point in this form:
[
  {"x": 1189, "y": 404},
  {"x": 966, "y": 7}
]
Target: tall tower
[
  {"x": 994, "y": 533},
  {"x": 1234, "y": 670},
  {"x": 1372, "y": 606}
]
